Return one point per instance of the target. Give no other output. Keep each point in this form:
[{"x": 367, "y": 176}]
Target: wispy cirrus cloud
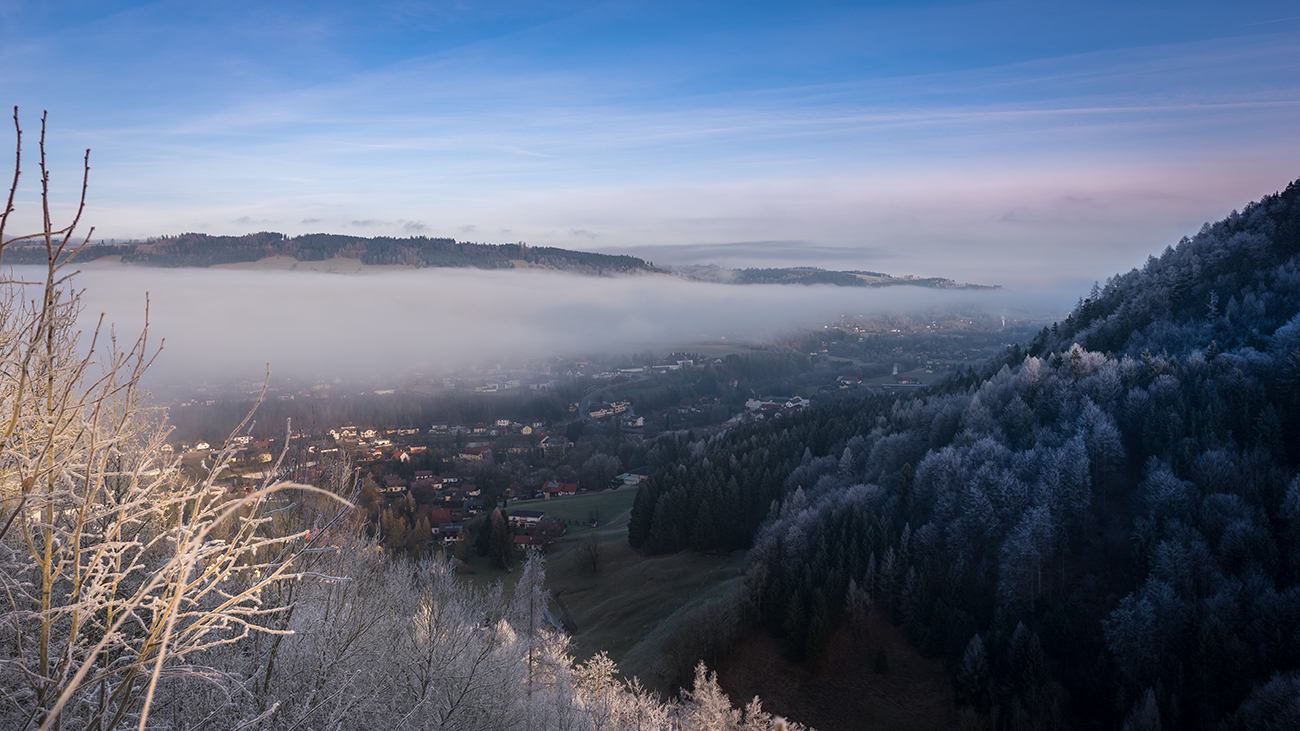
[{"x": 956, "y": 139}]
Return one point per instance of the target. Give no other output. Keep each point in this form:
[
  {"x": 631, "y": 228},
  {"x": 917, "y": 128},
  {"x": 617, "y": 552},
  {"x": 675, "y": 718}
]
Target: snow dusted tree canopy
[{"x": 1100, "y": 528}]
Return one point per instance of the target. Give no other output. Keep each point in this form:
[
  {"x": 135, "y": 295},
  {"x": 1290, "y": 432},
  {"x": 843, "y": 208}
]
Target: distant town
[{"x": 434, "y": 452}]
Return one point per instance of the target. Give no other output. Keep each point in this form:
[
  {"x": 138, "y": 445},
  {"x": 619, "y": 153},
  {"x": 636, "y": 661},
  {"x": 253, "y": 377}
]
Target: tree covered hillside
[
  {"x": 203, "y": 250},
  {"x": 1101, "y": 530}
]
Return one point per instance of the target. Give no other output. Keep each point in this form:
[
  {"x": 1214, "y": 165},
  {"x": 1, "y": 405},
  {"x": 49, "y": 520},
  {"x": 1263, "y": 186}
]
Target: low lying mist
[{"x": 221, "y": 324}]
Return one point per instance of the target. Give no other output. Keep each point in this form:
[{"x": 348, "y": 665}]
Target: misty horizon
[{"x": 229, "y": 324}]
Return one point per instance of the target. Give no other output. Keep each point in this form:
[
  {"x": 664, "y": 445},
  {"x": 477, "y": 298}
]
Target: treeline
[
  {"x": 203, "y": 250},
  {"x": 371, "y": 411},
  {"x": 1232, "y": 284},
  {"x": 816, "y": 275},
  {"x": 695, "y": 500},
  {"x": 797, "y": 275},
  {"x": 1086, "y": 537}
]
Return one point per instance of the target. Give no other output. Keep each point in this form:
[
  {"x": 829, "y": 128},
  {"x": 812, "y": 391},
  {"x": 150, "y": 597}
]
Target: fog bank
[{"x": 230, "y": 324}]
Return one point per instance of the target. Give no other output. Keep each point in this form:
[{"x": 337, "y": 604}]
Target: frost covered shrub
[{"x": 132, "y": 597}]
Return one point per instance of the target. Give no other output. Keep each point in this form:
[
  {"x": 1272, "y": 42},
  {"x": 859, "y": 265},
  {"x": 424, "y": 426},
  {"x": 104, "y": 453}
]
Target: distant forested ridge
[
  {"x": 815, "y": 275},
  {"x": 202, "y": 250},
  {"x": 1100, "y": 530}
]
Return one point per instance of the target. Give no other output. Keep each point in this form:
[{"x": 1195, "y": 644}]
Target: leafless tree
[
  {"x": 589, "y": 552},
  {"x": 116, "y": 572},
  {"x": 131, "y": 596}
]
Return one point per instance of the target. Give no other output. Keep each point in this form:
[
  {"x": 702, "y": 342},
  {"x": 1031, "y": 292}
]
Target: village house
[
  {"x": 631, "y": 478},
  {"x": 425, "y": 480},
  {"x": 545, "y": 532},
  {"x": 555, "y": 488},
  {"x": 450, "y": 533},
  {"x": 525, "y": 518},
  {"x": 555, "y": 446},
  {"x": 475, "y": 454}
]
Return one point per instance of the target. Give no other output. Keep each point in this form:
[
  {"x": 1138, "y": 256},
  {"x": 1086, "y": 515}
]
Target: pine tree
[{"x": 500, "y": 540}]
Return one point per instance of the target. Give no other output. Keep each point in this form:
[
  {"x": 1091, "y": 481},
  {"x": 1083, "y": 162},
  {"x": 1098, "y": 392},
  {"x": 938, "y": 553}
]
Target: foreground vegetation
[{"x": 136, "y": 598}]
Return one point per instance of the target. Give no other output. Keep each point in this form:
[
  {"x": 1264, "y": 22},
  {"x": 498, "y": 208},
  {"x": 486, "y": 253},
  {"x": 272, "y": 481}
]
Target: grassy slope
[
  {"x": 633, "y": 604},
  {"x": 630, "y": 605},
  {"x": 605, "y": 505},
  {"x": 914, "y": 695}
]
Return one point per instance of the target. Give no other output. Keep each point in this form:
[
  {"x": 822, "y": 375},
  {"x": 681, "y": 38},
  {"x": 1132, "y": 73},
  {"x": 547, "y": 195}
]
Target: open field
[
  {"x": 921, "y": 376},
  {"x": 918, "y": 375},
  {"x": 631, "y": 605},
  {"x": 605, "y": 506}
]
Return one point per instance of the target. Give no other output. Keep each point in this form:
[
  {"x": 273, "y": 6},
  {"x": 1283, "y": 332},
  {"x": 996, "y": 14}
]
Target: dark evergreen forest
[
  {"x": 1101, "y": 530},
  {"x": 202, "y": 250}
]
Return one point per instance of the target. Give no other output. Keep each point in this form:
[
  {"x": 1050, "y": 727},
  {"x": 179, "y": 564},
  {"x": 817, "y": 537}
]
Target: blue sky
[{"x": 1031, "y": 143}]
